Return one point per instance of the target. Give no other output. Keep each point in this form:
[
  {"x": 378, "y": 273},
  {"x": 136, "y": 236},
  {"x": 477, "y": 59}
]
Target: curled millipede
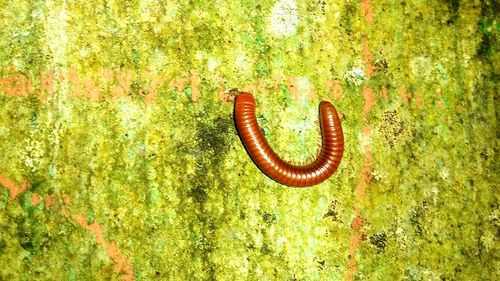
[{"x": 325, "y": 164}]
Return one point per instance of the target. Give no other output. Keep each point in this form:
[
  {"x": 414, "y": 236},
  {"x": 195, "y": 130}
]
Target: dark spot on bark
[
  {"x": 349, "y": 13},
  {"x": 415, "y": 219},
  {"x": 379, "y": 241},
  {"x": 453, "y": 7},
  {"x": 332, "y": 212},
  {"x": 199, "y": 194},
  {"x": 2, "y": 246},
  {"x": 213, "y": 138},
  {"x": 269, "y": 218},
  {"x": 321, "y": 264},
  {"x": 484, "y": 155},
  {"x": 265, "y": 249},
  {"x": 392, "y": 127}
]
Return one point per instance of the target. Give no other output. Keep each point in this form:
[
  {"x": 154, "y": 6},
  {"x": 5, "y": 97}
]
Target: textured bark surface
[{"x": 119, "y": 159}]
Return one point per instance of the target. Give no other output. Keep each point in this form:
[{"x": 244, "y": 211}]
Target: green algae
[{"x": 170, "y": 182}]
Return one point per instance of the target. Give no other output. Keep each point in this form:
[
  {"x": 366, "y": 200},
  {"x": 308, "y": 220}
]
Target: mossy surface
[{"x": 116, "y": 128}]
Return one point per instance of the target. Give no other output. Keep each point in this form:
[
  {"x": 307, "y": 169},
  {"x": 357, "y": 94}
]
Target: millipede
[{"x": 315, "y": 172}]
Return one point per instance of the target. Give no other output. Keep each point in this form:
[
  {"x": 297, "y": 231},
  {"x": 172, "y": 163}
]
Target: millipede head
[{"x": 245, "y": 98}]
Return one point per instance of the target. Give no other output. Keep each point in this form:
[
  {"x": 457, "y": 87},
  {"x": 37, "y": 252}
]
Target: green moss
[{"x": 169, "y": 181}]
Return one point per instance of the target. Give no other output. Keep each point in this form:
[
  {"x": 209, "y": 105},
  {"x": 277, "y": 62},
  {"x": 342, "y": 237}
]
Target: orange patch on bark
[
  {"x": 439, "y": 104},
  {"x": 120, "y": 261},
  {"x": 369, "y": 100},
  {"x": 122, "y": 90},
  {"x": 360, "y": 195},
  {"x": 152, "y": 94},
  {"x": 19, "y": 85},
  {"x": 14, "y": 189},
  {"x": 6, "y": 84},
  {"x": 356, "y": 224},
  {"x": 95, "y": 228},
  {"x": 354, "y": 243},
  {"x": 366, "y": 170},
  {"x": 383, "y": 91},
  {"x": 366, "y": 176},
  {"x": 366, "y": 9},
  {"x": 403, "y": 94},
  {"x": 66, "y": 201},
  {"x": 98, "y": 232},
  {"x": 49, "y": 201},
  {"x": 60, "y": 76},
  {"x": 178, "y": 84},
  {"x": 155, "y": 83},
  {"x": 195, "y": 86},
  {"x": 419, "y": 100},
  {"x": 107, "y": 74},
  {"x": 35, "y": 199},
  {"x": 292, "y": 87},
  {"x": 74, "y": 80},
  {"x": 92, "y": 91}
]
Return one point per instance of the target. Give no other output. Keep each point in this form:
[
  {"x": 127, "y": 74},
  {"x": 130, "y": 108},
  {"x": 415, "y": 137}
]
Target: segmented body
[{"x": 325, "y": 164}]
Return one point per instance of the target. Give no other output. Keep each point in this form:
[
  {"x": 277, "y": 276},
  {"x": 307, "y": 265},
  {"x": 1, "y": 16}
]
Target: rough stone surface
[{"x": 119, "y": 159}]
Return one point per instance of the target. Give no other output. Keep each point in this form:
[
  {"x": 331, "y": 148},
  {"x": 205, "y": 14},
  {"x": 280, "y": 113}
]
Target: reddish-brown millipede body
[{"x": 325, "y": 164}]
